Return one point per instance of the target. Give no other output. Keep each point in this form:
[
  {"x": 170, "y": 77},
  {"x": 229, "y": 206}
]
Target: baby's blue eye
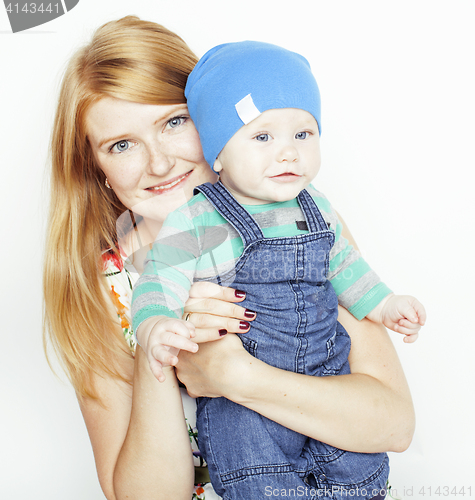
[
  {"x": 301, "y": 135},
  {"x": 262, "y": 137},
  {"x": 120, "y": 147}
]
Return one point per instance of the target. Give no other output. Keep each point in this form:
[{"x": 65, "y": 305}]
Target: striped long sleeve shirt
[{"x": 197, "y": 243}]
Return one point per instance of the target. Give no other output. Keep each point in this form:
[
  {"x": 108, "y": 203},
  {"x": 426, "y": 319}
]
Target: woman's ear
[{"x": 217, "y": 167}]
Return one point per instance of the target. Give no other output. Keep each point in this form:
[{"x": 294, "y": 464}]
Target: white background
[{"x": 397, "y": 81}]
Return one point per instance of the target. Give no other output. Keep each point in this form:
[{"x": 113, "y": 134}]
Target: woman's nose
[{"x": 159, "y": 161}]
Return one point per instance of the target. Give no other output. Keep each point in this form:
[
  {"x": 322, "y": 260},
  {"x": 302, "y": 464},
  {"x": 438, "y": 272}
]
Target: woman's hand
[
  {"x": 214, "y": 312},
  {"x": 210, "y": 372}
]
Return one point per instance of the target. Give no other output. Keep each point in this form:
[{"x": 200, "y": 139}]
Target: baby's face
[{"x": 272, "y": 158}]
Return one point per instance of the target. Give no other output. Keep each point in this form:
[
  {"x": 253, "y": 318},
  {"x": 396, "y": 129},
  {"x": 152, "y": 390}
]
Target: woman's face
[{"x": 150, "y": 154}]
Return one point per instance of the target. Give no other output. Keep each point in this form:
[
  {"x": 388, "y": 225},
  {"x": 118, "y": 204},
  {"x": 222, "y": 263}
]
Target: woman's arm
[
  {"x": 138, "y": 435},
  {"x": 369, "y": 410}
]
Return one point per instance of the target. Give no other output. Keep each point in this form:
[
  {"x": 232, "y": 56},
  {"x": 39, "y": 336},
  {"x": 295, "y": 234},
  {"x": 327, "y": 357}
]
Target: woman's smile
[{"x": 168, "y": 185}]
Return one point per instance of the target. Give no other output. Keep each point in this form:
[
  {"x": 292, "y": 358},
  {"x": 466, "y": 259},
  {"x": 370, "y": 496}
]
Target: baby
[{"x": 262, "y": 228}]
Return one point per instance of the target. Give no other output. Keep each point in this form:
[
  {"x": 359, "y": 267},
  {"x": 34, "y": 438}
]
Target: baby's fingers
[
  {"x": 156, "y": 369},
  {"x": 412, "y": 309},
  {"x": 163, "y": 355},
  {"x": 407, "y": 327},
  {"x": 408, "y": 312},
  {"x": 171, "y": 339},
  {"x": 184, "y": 328},
  {"x": 409, "y": 339},
  {"x": 410, "y": 330},
  {"x": 421, "y": 312}
]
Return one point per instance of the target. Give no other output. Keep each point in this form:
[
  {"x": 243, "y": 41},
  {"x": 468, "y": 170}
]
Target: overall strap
[
  {"x": 315, "y": 220},
  {"x": 232, "y": 211}
]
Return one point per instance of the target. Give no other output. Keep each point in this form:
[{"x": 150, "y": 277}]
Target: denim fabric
[{"x": 296, "y": 329}]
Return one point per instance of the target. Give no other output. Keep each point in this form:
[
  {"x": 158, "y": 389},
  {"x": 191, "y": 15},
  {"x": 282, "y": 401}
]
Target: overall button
[{"x": 322, "y": 477}]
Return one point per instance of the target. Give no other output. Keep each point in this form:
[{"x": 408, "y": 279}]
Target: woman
[{"x": 123, "y": 143}]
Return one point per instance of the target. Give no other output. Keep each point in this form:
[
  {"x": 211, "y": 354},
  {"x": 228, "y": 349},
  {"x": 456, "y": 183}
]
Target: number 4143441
[
  {"x": 444, "y": 491},
  {"x": 32, "y": 7}
]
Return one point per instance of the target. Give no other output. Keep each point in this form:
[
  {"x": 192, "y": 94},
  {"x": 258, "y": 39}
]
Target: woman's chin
[{"x": 158, "y": 206}]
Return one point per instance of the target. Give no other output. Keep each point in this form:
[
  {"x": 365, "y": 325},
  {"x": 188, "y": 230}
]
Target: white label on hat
[{"x": 247, "y": 110}]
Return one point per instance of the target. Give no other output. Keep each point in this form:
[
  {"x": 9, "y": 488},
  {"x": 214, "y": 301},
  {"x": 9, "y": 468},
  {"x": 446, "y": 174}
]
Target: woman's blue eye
[
  {"x": 120, "y": 147},
  {"x": 301, "y": 135},
  {"x": 176, "y": 121},
  {"x": 262, "y": 137}
]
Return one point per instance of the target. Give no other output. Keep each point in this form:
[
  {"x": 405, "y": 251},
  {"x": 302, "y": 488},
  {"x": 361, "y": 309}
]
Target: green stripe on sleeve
[
  {"x": 350, "y": 275},
  {"x": 369, "y": 301},
  {"x": 150, "y": 311}
]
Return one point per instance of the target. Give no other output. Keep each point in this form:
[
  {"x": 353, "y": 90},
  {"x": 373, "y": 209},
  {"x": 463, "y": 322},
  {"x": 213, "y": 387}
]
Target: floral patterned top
[{"x": 121, "y": 276}]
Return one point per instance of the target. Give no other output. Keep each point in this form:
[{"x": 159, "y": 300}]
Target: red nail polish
[
  {"x": 239, "y": 294},
  {"x": 249, "y": 314},
  {"x": 244, "y": 325},
  {"x": 222, "y": 332}
]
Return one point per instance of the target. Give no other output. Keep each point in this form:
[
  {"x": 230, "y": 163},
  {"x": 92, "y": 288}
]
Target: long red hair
[{"x": 128, "y": 59}]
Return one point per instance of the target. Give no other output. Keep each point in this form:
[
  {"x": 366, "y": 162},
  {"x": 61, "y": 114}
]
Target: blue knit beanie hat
[{"x": 234, "y": 83}]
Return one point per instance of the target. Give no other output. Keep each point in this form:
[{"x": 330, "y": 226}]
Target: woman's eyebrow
[
  {"x": 181, "y": 108},
  {"x": 112, "y": 139}
]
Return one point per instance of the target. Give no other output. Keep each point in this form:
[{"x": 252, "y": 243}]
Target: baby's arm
[
  {"x": 360, "y": 290},
  {"x": 161, "y": 338},
  {"x": 401, "y": 313},
  {"x": 160, "y": 294}
]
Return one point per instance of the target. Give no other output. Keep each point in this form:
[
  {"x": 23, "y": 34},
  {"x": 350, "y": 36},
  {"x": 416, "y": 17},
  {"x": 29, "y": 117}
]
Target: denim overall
[{"x": 249, "y": 456}]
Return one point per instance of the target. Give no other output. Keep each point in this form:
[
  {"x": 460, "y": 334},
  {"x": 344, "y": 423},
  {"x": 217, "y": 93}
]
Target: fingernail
[
  {"x": 222, "y": 332},
  {"x": 249, "y": 314},
  {"x": 239, "y": 294},
  {"x": 244, "y": 325}
]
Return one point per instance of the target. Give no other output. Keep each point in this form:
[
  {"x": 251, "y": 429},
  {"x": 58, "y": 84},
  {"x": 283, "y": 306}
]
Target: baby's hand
[
  {"x": 403, "y": 314},
  {"x": 162, "y": 338}
]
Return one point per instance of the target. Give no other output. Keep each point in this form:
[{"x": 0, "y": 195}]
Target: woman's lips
[{"x": 168, "y": 185}]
